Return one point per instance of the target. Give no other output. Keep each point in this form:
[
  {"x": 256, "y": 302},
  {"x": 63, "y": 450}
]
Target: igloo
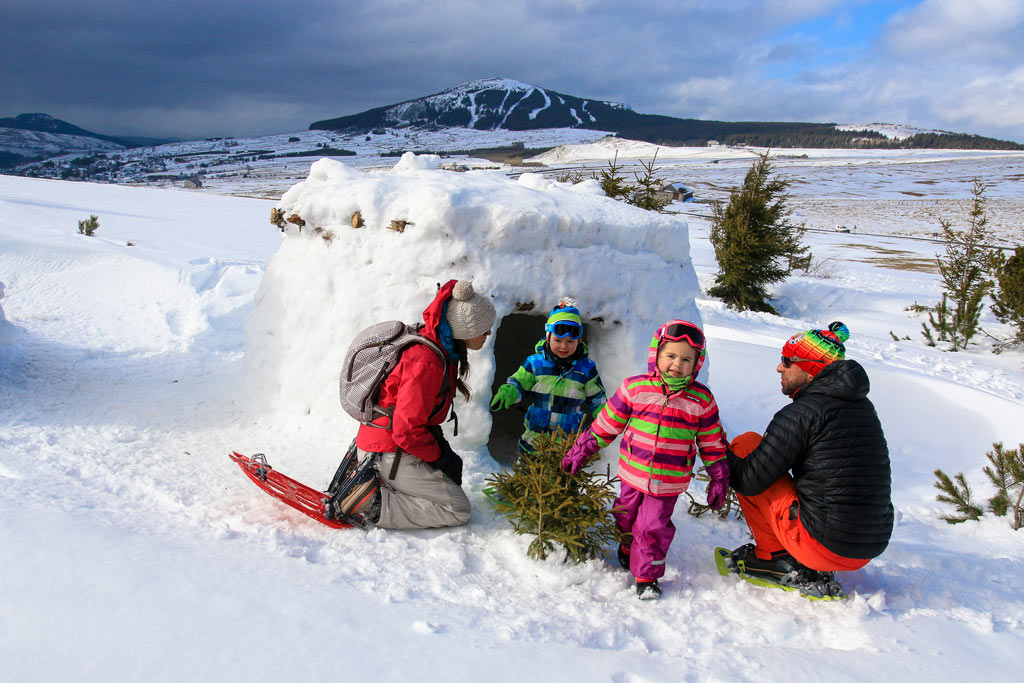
[
  {"x": 362, "y": 247},
  {"x": 7, "y": 329}
]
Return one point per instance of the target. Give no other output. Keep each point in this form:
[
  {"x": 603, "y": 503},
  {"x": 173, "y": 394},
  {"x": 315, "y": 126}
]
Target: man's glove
[
  {"x": 718, "y": 487},
  {"x": 505, "y": 396},
  {"x": 586, "y": 445},
  {"x": 450, "y": 463}
]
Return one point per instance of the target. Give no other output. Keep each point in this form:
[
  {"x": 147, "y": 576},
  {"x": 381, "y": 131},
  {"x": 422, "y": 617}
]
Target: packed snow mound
[
  {"x": 522, "y": 242},
  {"x": 7, "y": 330}
]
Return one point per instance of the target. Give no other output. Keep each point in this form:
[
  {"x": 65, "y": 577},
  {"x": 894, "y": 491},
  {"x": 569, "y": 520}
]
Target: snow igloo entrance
[{"x": 514, "y": 340}]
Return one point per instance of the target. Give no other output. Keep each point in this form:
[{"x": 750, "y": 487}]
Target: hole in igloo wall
[{"x": 516, "y": 336}]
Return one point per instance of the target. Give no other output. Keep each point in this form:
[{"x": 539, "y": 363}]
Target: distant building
[
  {"x": 675, "y": 192},
  {"x": 193, "y": 183}
]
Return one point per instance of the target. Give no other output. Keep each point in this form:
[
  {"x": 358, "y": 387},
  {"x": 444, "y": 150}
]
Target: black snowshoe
[{"x": 784, "y": 570}]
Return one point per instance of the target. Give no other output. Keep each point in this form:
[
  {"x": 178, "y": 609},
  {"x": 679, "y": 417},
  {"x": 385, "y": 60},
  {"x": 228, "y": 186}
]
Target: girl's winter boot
[{"x": 648, "y": 590}]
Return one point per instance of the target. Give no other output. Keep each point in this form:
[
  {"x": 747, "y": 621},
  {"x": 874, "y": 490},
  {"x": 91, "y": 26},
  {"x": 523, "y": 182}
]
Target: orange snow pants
[{"x": 774, "y": 519}]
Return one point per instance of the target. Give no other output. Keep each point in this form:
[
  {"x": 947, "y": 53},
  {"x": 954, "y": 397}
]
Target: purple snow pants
[{"x": 647, "y": 521}]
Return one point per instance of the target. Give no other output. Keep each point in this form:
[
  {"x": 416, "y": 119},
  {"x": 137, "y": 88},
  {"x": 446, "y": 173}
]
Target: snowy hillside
[
  {"x": 133, "y": 549},
  {"x": 893, "y": 131},
  {"x": 28, "y": 145}
]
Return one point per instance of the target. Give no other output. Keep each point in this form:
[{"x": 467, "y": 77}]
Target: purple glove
[
  {"x": 585, "y": 446},
  {"x": 718, "y": 487}
]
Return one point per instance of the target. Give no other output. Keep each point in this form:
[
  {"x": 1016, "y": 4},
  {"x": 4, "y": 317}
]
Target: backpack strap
[{"x": 446, "y": 381}]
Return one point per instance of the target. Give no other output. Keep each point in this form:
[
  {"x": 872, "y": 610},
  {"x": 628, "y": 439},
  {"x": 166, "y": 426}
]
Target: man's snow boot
[
  {"x": 784, "y": 569},
  {"x": 648, "y": 590},
  {"x": 781, "y": 564}
]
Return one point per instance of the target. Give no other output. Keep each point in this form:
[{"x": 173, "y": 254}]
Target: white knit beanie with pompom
[{"x": 469, "y": 314}]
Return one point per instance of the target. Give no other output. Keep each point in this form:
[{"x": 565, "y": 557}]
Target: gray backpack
[{"x": 373, "y": 354}]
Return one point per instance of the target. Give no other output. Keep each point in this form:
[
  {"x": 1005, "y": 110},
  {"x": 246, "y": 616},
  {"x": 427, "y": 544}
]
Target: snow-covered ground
[
  {"x": 133, "y": 549},
  {"x": 885, "y": 192}
]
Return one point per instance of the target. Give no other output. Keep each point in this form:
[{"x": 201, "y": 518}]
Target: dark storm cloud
[{"x": 195, "y": 68}]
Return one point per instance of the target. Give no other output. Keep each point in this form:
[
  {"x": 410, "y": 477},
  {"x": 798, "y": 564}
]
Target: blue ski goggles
[{"x": 565, "y": 329}]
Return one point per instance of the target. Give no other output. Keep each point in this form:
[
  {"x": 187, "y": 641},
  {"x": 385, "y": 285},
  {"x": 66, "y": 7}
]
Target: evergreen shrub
[
  {"x": 88, "y": 227},
  {"x": 559, "y": 509},
  {"x": 755, "y": 244}
]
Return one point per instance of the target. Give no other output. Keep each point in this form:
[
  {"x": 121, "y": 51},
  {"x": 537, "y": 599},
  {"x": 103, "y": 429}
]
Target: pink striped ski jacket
[{"x": 662, "y": 432}]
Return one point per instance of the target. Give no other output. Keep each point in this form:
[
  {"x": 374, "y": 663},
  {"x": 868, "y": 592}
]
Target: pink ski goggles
[{"x": 683, "y": 331}]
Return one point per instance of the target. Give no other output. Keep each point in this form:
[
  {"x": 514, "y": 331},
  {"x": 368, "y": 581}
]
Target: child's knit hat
[
  {"x": 565, "y": 311},
  {"x": 812, "y": 350}
]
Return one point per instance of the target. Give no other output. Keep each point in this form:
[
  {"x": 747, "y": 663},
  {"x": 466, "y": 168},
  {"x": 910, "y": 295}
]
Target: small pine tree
[
  {"x": 571, "y": 175},
  {"x": 1008, "y": 294},
  {"x": 646, "y": 194},
  {"x": 613, "y": 182},
  {"x": 964, "y": 271},
  {"x": 572, "y": 511},
  {"x": 755, "y": 244},
  {"x": 927, "y": 334},
  {"x": 1006, "y": 472},
  {"x": 956, "y": 492},
  {"x": 88, "y": 227}
]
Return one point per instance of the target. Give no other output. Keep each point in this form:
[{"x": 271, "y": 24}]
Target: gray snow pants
[{"x": 419, "y": 496}]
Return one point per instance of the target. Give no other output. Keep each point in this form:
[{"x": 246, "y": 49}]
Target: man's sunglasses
[
  {"x": 683, "y": 332},
  {"x": 565, "y": 329},
  {"x": 788, "y": 362}
]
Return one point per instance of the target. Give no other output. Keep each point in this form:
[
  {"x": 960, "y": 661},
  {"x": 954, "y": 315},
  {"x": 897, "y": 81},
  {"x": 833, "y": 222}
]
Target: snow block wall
[
  {"x": 524, "y": 242},
  {"x": 8, "y": 332}
]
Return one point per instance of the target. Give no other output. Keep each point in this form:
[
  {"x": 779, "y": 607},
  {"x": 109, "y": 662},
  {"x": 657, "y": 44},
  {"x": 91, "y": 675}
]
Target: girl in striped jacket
[{"x": 666, "y": 418}]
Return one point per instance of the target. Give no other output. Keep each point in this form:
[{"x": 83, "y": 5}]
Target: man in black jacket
[{"x": 834, "y": 512}]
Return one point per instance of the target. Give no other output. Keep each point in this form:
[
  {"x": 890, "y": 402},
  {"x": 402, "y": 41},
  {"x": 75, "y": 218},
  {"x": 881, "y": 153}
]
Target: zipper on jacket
[{"x": 657, "y": 432}]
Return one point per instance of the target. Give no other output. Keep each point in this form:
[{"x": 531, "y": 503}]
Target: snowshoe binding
[
  {"x": 355, "y": 492},
  {"x": 782, "y": 571}
]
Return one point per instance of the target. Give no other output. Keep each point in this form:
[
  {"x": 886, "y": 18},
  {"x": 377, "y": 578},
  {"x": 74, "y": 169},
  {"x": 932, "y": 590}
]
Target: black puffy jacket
[{"x": 831, "y": 440}]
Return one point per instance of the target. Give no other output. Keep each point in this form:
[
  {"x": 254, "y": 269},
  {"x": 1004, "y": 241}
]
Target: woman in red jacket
[{"x": 415, "y": 478}]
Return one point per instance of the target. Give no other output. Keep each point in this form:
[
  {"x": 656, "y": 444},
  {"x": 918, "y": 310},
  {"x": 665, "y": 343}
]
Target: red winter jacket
[{"x": 418, "y": 393}]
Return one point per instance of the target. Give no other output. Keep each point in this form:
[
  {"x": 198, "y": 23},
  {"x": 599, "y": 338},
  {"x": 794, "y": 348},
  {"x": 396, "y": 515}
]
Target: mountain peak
[
  {"x": 44, "y": 123},
  {"x": 487, "y": 104}
]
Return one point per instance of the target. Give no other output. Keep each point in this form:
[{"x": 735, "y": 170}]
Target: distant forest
[{"x": 665, "y": 130}]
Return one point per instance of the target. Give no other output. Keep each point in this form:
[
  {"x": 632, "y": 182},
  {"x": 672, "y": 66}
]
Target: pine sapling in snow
[
  {"x": 1008, "y": 294},
  {"x": 558, "y": 508},
  {"x": 965, "y": 276},
  {"x": 755, "y": 244},
  {"x": 612, "y": 182},
  {"x": 957, "y": 492},
  {"x": 646, "y": 194},
  {"x": 88, "y": 227},
  {"x": 1005, "y": 472}
]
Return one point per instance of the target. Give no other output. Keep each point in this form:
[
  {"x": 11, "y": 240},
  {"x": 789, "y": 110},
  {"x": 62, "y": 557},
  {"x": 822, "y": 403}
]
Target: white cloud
[{"x": 944, "y": 28}]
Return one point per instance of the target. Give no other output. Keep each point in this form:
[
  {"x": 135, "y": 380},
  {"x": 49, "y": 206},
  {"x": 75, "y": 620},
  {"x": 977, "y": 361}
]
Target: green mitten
[{"x": 504, "y": 397}]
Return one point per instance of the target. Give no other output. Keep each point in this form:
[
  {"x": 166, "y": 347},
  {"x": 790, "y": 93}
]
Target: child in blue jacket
[{"x": 558, "y": 380}]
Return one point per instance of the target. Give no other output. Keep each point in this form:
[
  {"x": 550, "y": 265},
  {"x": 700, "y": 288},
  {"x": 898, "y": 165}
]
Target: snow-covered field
[{"x": 133, "y": 549}]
